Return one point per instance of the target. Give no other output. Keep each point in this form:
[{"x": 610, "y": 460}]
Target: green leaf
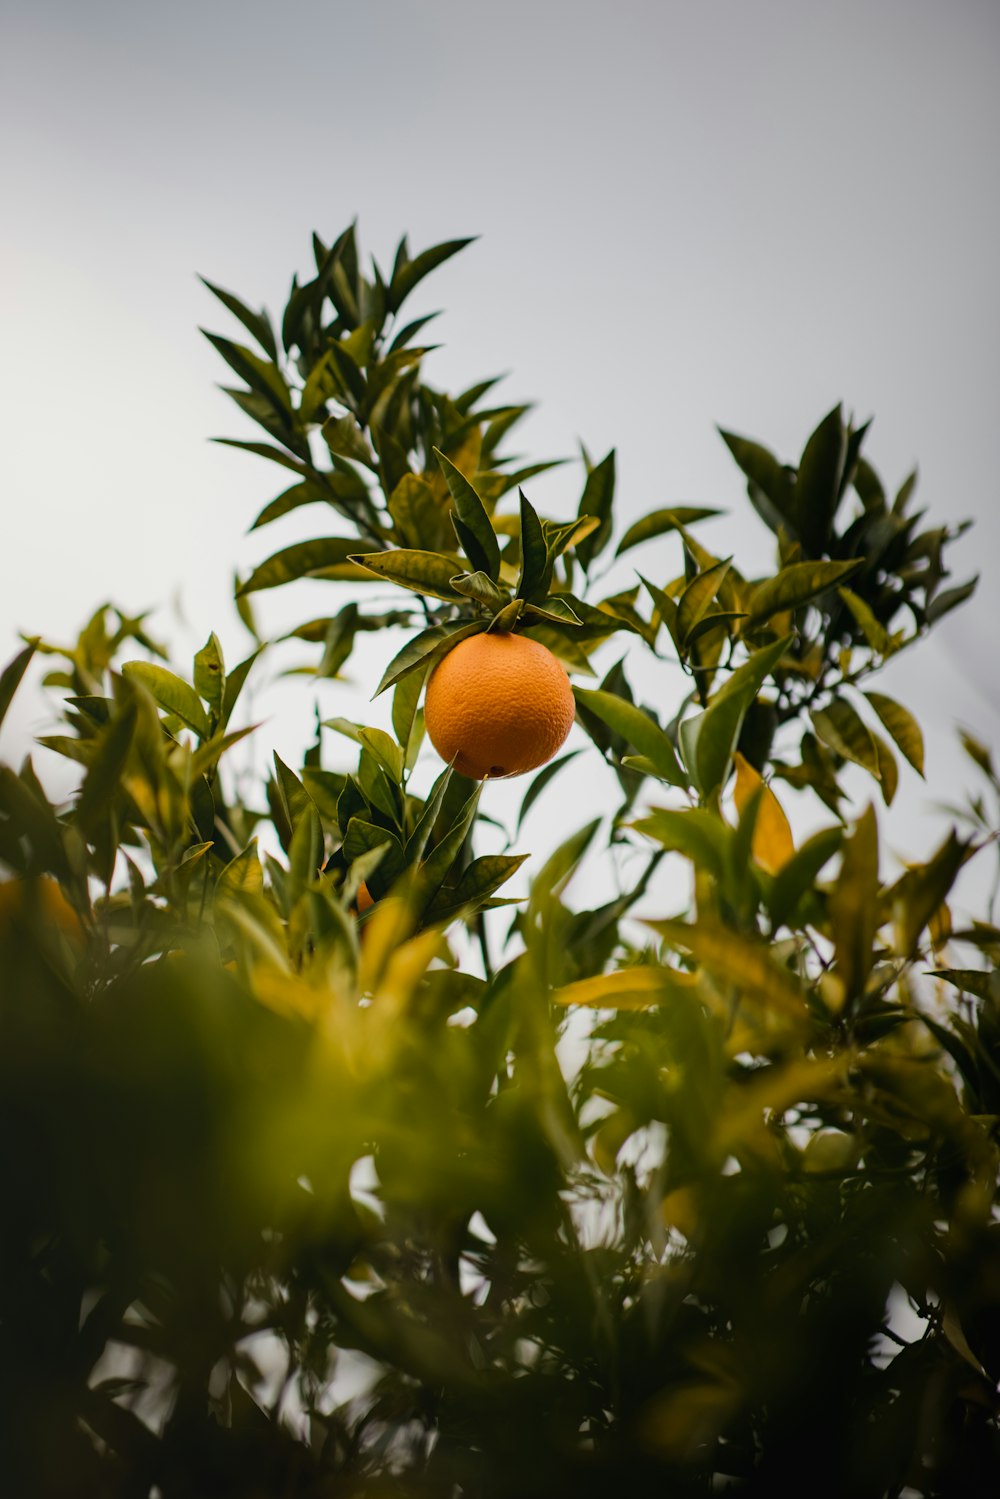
[
  {"x": 697, "y": 596},
  {"x": 695, "y": 832},
  {"x": 407, "y": 274},
  {"x": 975, "y": 981},
  {"x": 876, "y": 636},
  {"x": 235, "y": 681},
  {"x": 950, "y": 599},
  {"x": 303, "y": 493},
  {"x": 208, "y": 754},
  {"x": 436, "y": 867},
  {"x": 426, "y": 648},
  {"x": 345, "y": 439},
  {"x": 715, "y": 619},
  {"x": 666, "y": 608},
  {"x": 210, "y": 673},
  {"x": 560, "y": 537},
  {"x": 637, "y": 728},
  {"x": 742, "y": 963},
  {"x": 262, "y": 375},
  {"x": 536, "y": 568},
  {"x": 325, "y": 788},
  {"x": 978, "y": 753},
  {"x": 555, "y": 609},
  {"x": 295, "y": 799},
  {"x": 12, "y": 674},
  {"x": 415, "y": 511},
  {"x": 362, "y": 837},
  {"x": 841, "y": 727},
  {"x": 105, "y": 772},
  {"x": 482, "y": 589},
  {"x": 386, "y": 751},
  {"x": 597, "y": 500},
  {"x": 471, "y": 512},
  {"x": 888, "y": 770},
  {"x": 558, "y": 869},
  {"x": 305, "y": 853},
  {"x": 244, "y": 873},
  {"x": 265, "y": 450},
  {"x": 421, "y": 572},
  {"x": 478, "y": 881},
  {"x": 539, "y": 783},
  {"x": 172, "y": 694},
  {"x": 404, "y": 336},
  {"x": 416, "y": 844},
  {"x": 917, "y": 895},
  {"x": 796, "y": 878},
  {"x": 405, "y": 699},
  {"x": 352, "y": 380},
  {"x": 818, "y": 484},
  {"x": 853, "y": 906},
  {"x": 709, "y": 739},
  {"x": 256, "y": 323},
  {"x": 657, "y": 522},
  {"x": 302, "y": 559},
  {"x": 797, "y": 585},
  {"x": 770, "y": 484},
  {"x": 79, "y": 750}
]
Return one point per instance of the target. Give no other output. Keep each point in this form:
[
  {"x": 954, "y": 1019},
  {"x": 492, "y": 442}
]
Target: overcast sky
[{"x": 729, "y": 212}]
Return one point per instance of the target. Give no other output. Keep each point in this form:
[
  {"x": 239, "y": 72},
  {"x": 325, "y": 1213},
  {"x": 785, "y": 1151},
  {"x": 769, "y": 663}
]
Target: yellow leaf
[
  {"x": 627, "y": 989},
  {"x": 772, "y": 837}
]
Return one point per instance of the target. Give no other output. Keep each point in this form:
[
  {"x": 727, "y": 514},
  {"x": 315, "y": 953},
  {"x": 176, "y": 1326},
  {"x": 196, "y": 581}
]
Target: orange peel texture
[{"x": 498, "y": 705}]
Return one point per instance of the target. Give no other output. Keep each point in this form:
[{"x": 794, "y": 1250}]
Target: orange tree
[{"x": 300, "y": 1197}]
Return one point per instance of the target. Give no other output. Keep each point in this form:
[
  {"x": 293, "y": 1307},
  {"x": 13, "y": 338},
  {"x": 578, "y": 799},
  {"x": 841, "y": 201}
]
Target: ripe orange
[
  {"x": 364, "y": 900},
  {"x": 498, "y": 705}
]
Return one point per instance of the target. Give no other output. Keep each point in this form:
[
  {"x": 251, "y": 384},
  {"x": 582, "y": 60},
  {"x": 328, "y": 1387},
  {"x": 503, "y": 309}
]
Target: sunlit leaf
[
  {"x": 772, "y": 837},
  {"x": 743, "y": 963},
  {"x": 624, "y": 989}
]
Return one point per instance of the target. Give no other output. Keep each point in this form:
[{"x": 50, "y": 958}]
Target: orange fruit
[
  {"x": 364, "y": 900},
  {"x": 498, "y": 705}
]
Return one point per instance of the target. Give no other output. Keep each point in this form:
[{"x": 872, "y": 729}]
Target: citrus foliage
[{"x": 296, "y": 1202}]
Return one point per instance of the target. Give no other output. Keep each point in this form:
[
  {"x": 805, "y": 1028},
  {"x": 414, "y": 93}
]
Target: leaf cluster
[{"x": 304, "y": 1195}]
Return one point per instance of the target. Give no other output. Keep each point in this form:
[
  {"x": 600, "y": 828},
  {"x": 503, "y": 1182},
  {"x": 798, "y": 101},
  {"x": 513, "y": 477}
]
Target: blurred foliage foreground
[{"x": 295, "y": 1202}]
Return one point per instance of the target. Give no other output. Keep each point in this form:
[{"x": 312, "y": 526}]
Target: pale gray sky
[{"x": 690, "y": 213}]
